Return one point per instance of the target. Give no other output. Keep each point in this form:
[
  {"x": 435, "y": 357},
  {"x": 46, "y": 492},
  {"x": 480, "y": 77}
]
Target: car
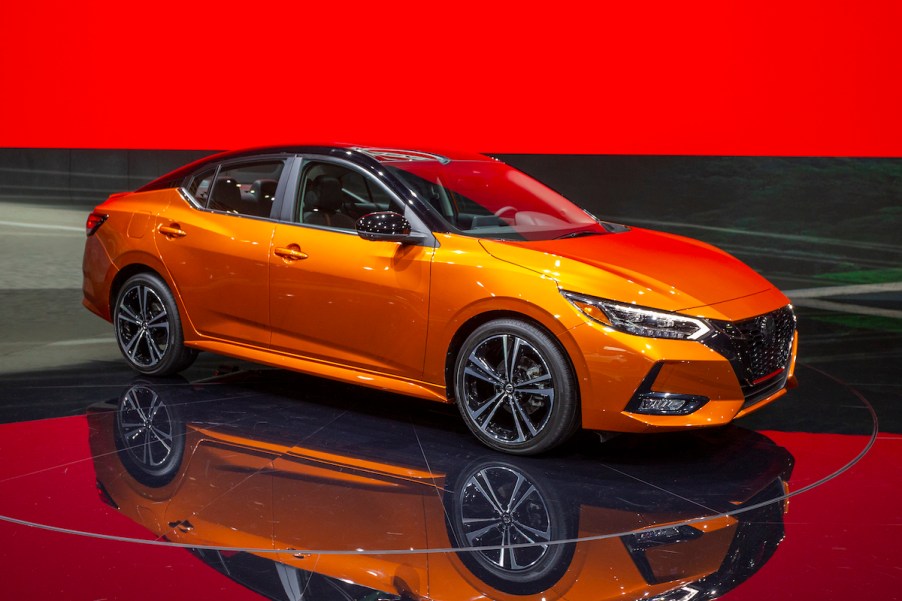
[{"x": 448, "y": 276}]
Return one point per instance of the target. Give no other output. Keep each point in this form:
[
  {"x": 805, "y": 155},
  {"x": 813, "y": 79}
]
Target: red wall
[{"x": 764, "y": 77}]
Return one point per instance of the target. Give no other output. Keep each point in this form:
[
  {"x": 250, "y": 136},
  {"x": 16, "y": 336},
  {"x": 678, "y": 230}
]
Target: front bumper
[{"x": 620, "y": 372}]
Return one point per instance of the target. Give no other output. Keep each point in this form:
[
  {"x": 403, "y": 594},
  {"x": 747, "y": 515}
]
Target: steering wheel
[{"x": 504, "y": 210}]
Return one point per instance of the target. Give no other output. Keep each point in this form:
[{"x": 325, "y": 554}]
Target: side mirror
[{"x": 387, "y": 226}]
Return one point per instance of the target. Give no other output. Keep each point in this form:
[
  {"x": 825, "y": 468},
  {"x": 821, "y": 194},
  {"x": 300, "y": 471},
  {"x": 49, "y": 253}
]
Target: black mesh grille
[
  {"x": 757, "y": 348},
  {"x": 762, "y": 343}
]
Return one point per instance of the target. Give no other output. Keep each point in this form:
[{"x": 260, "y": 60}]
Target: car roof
[{"x": 355, "y": 152}]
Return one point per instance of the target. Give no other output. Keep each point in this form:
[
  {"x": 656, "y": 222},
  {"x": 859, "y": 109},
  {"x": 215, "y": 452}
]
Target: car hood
[{"x": 639, "y": 266}]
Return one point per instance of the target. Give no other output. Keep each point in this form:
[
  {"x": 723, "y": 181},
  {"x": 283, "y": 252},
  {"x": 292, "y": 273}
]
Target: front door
[{"x": 339, "y": 298}]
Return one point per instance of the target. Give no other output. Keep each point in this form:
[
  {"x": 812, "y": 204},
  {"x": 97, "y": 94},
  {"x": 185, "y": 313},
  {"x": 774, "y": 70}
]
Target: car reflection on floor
[{"x": 298, "y": 499}]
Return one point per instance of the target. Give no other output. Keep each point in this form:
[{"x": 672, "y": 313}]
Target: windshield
[{"x": 488, "y": 199}]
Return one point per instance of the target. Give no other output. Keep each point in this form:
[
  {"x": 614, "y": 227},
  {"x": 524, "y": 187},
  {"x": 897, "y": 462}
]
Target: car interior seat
[{"x": 323, "y": 202}]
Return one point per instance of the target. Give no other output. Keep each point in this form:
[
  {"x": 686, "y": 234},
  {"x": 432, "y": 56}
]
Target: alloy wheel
[
  {"x": 142, "y": 325},
  {"x": 501, "y": 507},
  {"x": 508, "y": 389},
  {"x": 146, "y": 428}
]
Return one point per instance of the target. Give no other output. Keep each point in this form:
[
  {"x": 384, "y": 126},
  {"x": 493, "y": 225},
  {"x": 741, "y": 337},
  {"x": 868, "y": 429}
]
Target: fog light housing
[
  {"x": 668, "y": 403},
  {"x": 649, "y": 402},
  {"x": 672, "y": 535},
  {"x": 643, "y": 546}
]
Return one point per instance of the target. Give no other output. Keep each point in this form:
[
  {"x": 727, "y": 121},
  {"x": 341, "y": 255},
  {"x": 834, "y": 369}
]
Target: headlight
[{"x": 640, "y": 321}]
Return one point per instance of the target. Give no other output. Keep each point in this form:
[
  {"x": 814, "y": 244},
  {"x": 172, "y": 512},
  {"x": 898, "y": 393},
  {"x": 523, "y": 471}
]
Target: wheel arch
[
  {"x": 141, "y": 265},
  {"x": 125, "y": 273},
  {"x": 168, "y": 362}
]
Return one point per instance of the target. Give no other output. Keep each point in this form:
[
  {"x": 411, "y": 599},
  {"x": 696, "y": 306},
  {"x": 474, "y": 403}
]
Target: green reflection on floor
[{"x": 866, "y": 276}]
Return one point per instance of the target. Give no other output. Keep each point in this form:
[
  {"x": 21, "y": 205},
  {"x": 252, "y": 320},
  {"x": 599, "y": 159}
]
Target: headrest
[
  {"x": 263, "y": 190},
  {"x": 328, "y": 193},
  {"x": 226, "y": 191}
]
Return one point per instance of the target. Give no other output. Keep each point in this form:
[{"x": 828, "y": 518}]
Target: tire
[
  {"x": 148, "y": 327},
  {"x": 150, "y": 435},
  {"x": 515, "y": 389},
  {"x": 497, "y": 511}
]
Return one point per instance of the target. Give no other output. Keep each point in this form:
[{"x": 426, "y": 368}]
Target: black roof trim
[
  {"x": 174, "y": 178},
  {"x": 354, "y": 152}
]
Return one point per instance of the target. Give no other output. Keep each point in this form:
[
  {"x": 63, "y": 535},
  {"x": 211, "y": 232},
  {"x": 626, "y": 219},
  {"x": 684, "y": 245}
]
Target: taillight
[{"x": 95, "y": 220}]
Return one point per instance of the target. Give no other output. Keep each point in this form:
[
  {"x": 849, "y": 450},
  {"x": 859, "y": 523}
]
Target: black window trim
[
  {"x": 292, "y": 192},
  {"x": 275, "y": 213}
]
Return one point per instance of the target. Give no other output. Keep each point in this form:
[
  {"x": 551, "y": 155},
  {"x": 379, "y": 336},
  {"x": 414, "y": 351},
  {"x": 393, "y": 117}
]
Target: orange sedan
[{"x": 454, "y": 278}]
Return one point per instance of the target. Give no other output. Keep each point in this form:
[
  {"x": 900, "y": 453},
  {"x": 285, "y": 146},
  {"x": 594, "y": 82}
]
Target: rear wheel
[
  {"x": 148, "y": 328},
  {"x": 150, "y": 435},
  {"x": 515, "y": 388}
]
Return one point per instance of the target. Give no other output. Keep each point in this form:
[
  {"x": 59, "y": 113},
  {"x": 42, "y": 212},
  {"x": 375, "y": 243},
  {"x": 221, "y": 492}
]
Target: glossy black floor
[{"x": 257, "y": 483}]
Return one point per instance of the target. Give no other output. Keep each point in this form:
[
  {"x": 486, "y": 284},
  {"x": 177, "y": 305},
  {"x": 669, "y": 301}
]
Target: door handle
[
  {"x": 172, "y": 231},
  {"x": 291, "y": 253}
]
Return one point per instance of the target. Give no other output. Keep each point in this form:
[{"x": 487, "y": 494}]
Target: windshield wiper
[{"x": 579, "y": 234}]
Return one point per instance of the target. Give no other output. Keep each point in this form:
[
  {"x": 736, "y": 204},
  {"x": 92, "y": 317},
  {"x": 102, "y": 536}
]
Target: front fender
[{"x": 469, "y": 286}]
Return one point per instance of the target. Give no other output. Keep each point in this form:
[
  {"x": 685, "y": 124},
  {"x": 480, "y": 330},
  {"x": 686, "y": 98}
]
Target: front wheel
[
  {"x": 507, "y": 521},
  {"x": 515, "y": 388},
  {"x": 148, "y": 328}
]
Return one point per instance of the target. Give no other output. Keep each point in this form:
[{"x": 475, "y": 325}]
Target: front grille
[
  {"x": 763, "y": 343},
  {"x": 759, "y": 349}
]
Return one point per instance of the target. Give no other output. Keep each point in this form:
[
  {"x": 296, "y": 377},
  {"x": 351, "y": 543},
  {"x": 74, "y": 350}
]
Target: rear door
[{"x": 216, "y": 248}]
